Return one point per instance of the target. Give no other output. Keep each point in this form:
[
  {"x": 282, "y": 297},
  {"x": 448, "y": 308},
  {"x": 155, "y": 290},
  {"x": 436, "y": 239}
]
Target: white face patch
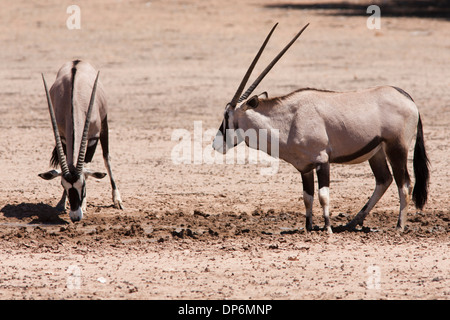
[
  {"x": 78, "y": 184},
  {"x": 66, "y": 185},
  {"x": 220, "y": 141}
]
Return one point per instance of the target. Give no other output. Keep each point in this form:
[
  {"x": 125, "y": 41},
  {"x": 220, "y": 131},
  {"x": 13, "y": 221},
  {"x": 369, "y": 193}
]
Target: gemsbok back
[
  {"x": 78, "y": 112},
  {"x": 319, "y": 127}
]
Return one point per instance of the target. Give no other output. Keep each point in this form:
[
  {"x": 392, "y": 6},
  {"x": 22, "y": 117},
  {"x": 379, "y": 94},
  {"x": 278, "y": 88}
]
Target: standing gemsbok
[
  {"x": 318, "y": 127},
  {"x": 78, "y": 112}
]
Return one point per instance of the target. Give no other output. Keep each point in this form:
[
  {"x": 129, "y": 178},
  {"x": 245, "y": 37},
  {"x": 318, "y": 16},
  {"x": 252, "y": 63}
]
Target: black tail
[
  {"x": 54, "y": 161},
  {"x": 421, "y": 170}
]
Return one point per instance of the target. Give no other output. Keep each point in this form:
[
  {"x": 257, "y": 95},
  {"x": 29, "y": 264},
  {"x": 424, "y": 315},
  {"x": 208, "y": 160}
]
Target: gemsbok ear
[
  {"x": 253, "y": 102},
  {"x": 49, "y": 175},
  {"x": 96, "y": 175}
]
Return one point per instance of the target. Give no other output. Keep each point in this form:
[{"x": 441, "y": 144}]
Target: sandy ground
[{"x": 202, "y": 230}]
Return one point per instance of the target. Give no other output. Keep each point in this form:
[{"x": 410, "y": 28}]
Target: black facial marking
[
  {"x": 363, "y": 151},
  {"x": 74, "y": 199},
  {"x": 224, "y": 127},
  {"x": 72, "y": 177}
]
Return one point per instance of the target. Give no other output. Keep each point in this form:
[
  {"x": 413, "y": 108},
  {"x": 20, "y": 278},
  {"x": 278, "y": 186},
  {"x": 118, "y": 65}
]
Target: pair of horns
[
  {"x": 62, "y": 159},
  {"x": 237, "y": 96}
]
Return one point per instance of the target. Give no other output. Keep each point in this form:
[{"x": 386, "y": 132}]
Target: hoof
[
  {"x": 117, "y": 200},
  {"x": 351, "y": 226},
  {"x": 118, "y": 205}
]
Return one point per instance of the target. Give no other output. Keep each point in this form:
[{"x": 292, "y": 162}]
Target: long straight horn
[
  {"x": 250, "y": 69},
  {"x": 82, "y": 152},
  {"x": 59, "y": 148},
  {"x": 266, "y": 71}
]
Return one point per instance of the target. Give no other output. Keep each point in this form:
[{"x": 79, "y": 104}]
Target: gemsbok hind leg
[
  {"x": 398, "y": 156},
  {"x": 383, "y": 180},
  {"x": 104, "y": 141}
]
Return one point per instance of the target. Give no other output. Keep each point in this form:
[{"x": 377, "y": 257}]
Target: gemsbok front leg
[
  {"x": 308, "y": 197},
  {"x": 104, "y": 141},
  {"x": 61, "y": 206},
  {"x": 323, "y": 176}
]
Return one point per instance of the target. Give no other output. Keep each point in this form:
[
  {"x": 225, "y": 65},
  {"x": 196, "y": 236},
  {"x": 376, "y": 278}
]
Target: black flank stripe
[{"x": 365, "y": 150}]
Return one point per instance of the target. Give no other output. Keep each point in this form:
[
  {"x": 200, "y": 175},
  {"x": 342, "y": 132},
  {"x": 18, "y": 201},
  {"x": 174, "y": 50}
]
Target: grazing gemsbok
[
  {"x": 78, "y": 112},
  {"x": 318, "y": 127}
]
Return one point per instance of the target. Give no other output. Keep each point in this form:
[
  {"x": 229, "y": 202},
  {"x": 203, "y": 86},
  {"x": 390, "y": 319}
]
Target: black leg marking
[
  {"x": 380, "y": 168},
  {"x": 308, "y": 197},
  {"x": 308, "y": 183},
  {"x": 104, "y": 141},
  {"x": 323, "y": 175},
  {"x": 104, "y": 137}
]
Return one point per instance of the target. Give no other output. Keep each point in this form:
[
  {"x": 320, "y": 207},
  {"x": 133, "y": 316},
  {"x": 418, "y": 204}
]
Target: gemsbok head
[
  {"x": 78, "y": 113},
  {"x": 319, "y": 127}
]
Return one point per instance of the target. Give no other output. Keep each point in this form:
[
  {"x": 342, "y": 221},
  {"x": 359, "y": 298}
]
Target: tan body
[
  {"x": 322, "y": 126},
  {"x": 61, "y": 95}
]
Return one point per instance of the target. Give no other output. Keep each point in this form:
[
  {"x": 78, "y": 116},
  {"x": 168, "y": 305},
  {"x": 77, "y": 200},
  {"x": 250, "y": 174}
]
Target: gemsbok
[
  {"x": 78, "y": 112},
  {"x": 319, "y": 127}
]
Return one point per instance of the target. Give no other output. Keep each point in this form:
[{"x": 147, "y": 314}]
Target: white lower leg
[
  {"x": 84, "y": 204},
  {"x": 324, "y": 199},
  {"x": 117, "y": 200}
]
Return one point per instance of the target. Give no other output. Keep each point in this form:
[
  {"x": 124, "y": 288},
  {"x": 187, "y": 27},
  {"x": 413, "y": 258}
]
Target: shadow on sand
[{"x": 39, "y": 212}]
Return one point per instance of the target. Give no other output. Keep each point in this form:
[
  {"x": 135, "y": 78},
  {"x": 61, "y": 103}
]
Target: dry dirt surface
[{"x": 210, "y": 230}]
